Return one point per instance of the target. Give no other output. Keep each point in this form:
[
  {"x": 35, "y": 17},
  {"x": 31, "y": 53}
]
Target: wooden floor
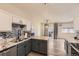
[
  {"x": 55, "y": 53},
  {"x": 34, "y": 54}
]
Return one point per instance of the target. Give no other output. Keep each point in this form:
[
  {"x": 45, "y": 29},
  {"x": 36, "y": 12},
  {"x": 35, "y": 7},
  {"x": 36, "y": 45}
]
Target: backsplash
[
  {"x": 17, "y": 30},
  {"x": 6, "y": 35}
]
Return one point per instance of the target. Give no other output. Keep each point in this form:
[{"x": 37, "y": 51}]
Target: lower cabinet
[
  {"x": 24, "y": 48},
  {"x": 39, "y": 46},
  {"x": 35, "y": 45},
  {"x": 12, "y": 51},
  {"x": 9, "y": 52},
  {"x": 1, "y": 53},
  {"x": 27, "y": 47},
  {"x": 43, "y": 47},
  {"x": 21, "y": 49}
]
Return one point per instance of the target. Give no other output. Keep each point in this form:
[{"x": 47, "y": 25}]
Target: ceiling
[{"x": 42, "y": 11}]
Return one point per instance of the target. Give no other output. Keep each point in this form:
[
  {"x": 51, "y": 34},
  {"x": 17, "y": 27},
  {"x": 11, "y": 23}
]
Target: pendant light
[{"x": 46, "y": 24}]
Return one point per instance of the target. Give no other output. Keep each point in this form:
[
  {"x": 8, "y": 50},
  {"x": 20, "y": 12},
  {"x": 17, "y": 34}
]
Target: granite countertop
[
  {"x": 40, "y": 37},
  {"x": 10, "y": 44},
  {"x": 72, "y": 40}
]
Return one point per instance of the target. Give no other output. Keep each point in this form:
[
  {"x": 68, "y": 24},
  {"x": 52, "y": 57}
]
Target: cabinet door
[
  {"x": 12, "y": 51},
  {"x": 43, "y": 46},
  {"x": 39, "y": 46},
  {"x": 21, "y": 49},
  {"x": 1, "y": 53},
  {"x": 35, "y": 45},
  {"x": 5, "y": 21},
  {"x": 6, "y": 53},
  {"x": 27, "y": 46}
]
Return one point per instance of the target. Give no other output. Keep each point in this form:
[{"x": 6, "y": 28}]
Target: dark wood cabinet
[
  {"x": 27, "y": 47},
  {"x": 21, "y": 49},
  {"x": 12, "y": 51},
  {"x": 24, "y": 48},
  {"x": 1, "y": 53},
  {"x": 39, "y": 46},
  {"x": 43, "y": 46},
  {"x": 35, "y": 45},
  {"x": 9, "y": 52}
]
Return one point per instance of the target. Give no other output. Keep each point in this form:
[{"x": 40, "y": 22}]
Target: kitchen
[{"x": 39, "y": 29}]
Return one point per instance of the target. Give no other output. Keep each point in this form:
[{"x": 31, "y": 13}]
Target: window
[
  {"x": 67, "y": 30},
  {"x": 67, "y": 27}
]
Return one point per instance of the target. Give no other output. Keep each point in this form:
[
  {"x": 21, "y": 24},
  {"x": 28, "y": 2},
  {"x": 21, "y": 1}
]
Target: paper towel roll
[{"x": 25, "y": 35}]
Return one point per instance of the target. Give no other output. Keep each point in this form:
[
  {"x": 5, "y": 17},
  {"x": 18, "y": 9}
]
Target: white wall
[
  {"x": 37, "y": 25},
  {"x": 36, "y": 28}
]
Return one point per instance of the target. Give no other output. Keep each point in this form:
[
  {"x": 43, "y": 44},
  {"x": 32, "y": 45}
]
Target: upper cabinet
[
  {"x": 5, "y": 21},
  {"x": 76, "y": 23}
]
